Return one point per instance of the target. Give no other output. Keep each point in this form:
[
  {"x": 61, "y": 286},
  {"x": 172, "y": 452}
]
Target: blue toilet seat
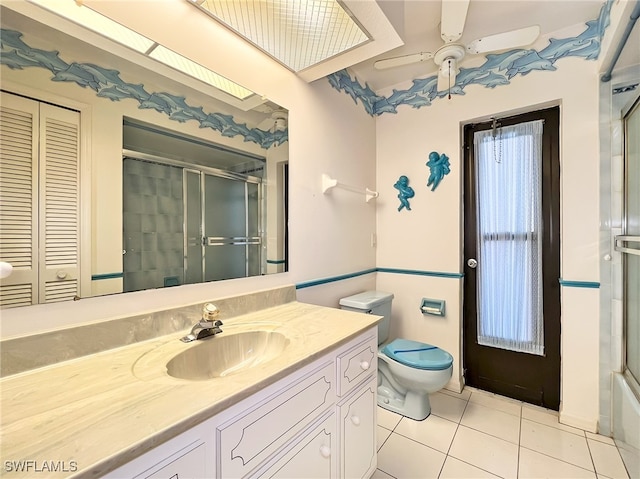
[{"x": 418, "y": 355}]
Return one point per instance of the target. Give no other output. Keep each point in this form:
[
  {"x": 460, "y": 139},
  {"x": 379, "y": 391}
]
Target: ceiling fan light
[
  {"x": 280, "y": 124},
  {"x": 449, "y": 67}
]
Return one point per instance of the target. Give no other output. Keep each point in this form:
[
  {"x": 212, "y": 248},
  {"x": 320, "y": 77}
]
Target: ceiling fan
[
  {"x": 448, "y": 57},
  {"x": 277, "y": 121}
]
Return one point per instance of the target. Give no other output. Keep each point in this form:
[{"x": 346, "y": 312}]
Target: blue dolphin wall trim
[
  {"x": 17, "y": 55},
  {"x": 497, "y": 70}
]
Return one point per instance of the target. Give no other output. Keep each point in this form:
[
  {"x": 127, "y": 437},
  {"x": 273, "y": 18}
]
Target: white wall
[{"x": 429, "y": 237}]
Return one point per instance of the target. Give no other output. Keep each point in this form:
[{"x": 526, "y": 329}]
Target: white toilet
[{"x": 407, "y": 370}]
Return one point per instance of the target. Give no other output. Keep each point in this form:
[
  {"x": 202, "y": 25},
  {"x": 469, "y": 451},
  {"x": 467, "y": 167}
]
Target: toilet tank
[{"x": 372, "y": 302}]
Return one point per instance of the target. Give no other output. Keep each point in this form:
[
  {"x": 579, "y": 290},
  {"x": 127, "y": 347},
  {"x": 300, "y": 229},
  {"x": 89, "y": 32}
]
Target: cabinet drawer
[
  {"x": 249, "y": 439},
  {"x": 356, "y": 364},
  {"x": 314, "y": 455}
]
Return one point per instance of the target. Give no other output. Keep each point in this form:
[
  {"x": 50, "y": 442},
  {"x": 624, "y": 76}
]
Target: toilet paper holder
[{"x": 434, "y": 307}]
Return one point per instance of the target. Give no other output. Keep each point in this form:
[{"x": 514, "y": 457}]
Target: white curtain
[{"x": 509, "y": 223}]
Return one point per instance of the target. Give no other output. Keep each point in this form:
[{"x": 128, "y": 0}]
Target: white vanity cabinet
[{"x": 318, "y": 422}]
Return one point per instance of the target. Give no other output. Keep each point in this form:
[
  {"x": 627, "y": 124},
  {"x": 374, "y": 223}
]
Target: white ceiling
[{"x": 418, "y": 24}]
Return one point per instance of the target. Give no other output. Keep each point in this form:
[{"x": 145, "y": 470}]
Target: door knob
[{"x": 472, "y": 263}]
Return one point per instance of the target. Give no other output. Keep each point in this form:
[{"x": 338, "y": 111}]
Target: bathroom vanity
[{"x": 307, "y": 410}]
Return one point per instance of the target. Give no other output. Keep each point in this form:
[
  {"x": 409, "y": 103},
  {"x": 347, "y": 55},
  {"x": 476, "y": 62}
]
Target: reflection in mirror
[
  {"x": 193, "y": 214},
  {"x": 167, "y": 181}
]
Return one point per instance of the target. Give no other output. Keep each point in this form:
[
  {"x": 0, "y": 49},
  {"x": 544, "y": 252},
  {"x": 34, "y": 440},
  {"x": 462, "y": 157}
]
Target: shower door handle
[{"x": 472, "y": 263}]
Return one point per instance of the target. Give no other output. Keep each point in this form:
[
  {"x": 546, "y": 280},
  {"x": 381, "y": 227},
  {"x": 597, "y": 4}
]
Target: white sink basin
[{"x": 226, "y": 354}]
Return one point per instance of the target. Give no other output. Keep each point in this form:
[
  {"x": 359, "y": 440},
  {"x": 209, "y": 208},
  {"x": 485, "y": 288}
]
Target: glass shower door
[
  {"x": 193, "y": 248},
  {"x": 629, "y": 244},
  {"x": 231, "y": 238}
]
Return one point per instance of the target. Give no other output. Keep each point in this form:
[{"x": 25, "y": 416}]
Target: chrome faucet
[{"x": 207, "y": 326}]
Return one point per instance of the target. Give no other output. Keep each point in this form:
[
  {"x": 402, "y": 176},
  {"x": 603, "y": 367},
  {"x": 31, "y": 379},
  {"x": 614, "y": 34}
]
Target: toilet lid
[{"x": 418, "y": 355}]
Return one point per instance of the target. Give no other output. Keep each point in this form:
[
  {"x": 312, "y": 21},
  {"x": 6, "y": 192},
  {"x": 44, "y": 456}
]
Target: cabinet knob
[
  {"x": 325, "y": 451},
  {"x": 364, "y": 365},
  {"x": 355, "y": 420},
  {"x": 61, "y": 274}
]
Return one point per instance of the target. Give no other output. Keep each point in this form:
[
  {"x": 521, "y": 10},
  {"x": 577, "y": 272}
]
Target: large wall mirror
[{"x": 121, "y": 173}]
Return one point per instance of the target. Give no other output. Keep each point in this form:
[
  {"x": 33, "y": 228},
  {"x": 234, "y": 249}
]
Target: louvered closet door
[
  {"x": 18, "y": 199},
  {"x": 58, "y": 203},
  {"x": 39, "y": 215}
]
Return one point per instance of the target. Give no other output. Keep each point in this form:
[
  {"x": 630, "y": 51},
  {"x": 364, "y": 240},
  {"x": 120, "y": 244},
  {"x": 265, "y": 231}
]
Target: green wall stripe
[
  {"x": 96, "y": 277},
  {"x": 579, "y": 284},
  {"x": 436, "y": 274},
  {"x": 317, "y": 282}
]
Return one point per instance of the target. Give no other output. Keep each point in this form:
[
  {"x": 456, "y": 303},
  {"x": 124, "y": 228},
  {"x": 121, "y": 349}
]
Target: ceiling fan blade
[
  {"x": 454, "y": 16},
  {"x": 503, "y": 41},
  {"x": 402, "y": 60}
]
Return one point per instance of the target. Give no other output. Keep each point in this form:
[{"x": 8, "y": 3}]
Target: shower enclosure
[{"x": 188, "y": 224}]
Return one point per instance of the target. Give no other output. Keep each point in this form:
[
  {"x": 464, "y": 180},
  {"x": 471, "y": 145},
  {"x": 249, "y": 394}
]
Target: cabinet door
[
  {"x": 358, "y": 432},
  {"x": 313, "y": 455},
  {"x": 190, "y": 465},
  {"x": 189, "y": 455},
  {"x": 247, "y": 441}
]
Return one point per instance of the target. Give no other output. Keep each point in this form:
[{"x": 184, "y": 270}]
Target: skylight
[
  {"x": 297, "y": 33},
  {"x": 104, "y": 26},
  {"x": 179, "y": 62}
]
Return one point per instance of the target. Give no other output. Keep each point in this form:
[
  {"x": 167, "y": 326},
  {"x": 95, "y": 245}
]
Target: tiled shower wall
[{"x": 153, "y": 225}]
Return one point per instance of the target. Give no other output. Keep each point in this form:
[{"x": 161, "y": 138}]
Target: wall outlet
[{"x": 374, "y": 240}]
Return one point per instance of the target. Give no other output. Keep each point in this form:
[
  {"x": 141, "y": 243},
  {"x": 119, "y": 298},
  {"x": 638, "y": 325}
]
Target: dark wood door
[{"x": 523, "y": 376}]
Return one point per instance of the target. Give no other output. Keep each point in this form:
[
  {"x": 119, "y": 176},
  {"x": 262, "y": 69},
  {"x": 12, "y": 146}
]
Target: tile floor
[{"x": 481, "y": 435}]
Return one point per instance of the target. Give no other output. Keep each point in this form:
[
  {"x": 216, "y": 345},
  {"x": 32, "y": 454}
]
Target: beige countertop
[{"x": 98, "y": 412}]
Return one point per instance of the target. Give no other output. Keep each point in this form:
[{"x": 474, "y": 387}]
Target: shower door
[
  {"x": 629, "y": 245},
  {"x": 223, "y": 238}
]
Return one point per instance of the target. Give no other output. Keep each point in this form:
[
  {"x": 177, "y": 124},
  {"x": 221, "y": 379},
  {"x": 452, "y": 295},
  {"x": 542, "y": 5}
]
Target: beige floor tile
[
  {"x": 464, "y": 395},
  {"x": 388, "y": 419},
  {"x": 600, "y": 438},
  {"x": 554, "y": 442},
  {"x": 447, "y": 407},
  {"x": 501, "y": 403},
  {"x": 456, "y": 469},
  {"x": 492, "y": 421},
  {"x": 434, "y": 431},
  {"x": 533, "y": 465},
  {"x": 407, "y": 459},
  {"x": 485, "y": 452},
  {"x": 382, "y": 435},
  {"x": 548, "y": 418},
  {"x": 631, "y": 457},
  {"x": 607, "y": 460},
  {"x": 378, "y": 474}
]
